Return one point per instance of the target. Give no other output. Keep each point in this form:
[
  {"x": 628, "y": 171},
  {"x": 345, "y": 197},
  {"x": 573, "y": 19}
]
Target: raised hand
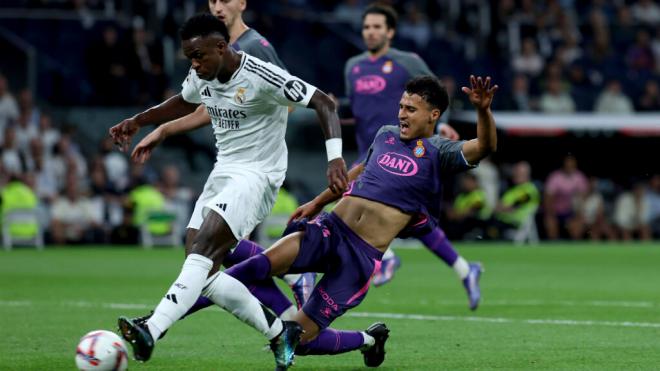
[
  {"x": 480, "y": 93},
  {"x": 145, "y": 147},
  {"x": 337, "y": 175},
  {"x": 123, "y": 132}
]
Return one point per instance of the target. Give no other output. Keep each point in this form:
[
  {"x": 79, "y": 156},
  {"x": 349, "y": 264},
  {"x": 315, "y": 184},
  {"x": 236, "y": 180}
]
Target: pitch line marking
[{"x": 402, "y": 316}]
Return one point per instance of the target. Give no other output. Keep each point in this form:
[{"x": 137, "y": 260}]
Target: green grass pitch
[{"x": 553, "y": 307}]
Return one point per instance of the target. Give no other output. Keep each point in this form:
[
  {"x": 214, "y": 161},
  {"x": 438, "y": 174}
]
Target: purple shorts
[
  {"x": 419, "y": 226},
  {"x": 328, "y": 246}
]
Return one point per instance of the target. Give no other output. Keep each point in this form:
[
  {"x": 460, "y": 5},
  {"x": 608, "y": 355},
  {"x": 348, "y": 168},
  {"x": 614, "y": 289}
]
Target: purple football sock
[
  {"x": 244, "y": 250},
  {"x": 332, "y": 341},
  {"x": 439, "y": 244},
  {"x": 201, "y": 303},
  {"x": 254, "y": 273}
]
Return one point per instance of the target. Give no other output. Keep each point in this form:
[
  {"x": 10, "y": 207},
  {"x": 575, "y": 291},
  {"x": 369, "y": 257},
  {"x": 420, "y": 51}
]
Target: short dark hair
[
  {"x": 386, "y": 10},
  {"x": 203, "y": 24},
  {"x": 431, "y": 90}
]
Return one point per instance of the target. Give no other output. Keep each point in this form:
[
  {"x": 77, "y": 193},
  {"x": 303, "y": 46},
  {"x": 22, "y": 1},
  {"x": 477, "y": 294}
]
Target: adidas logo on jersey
[{"x": 206, "y": 92}]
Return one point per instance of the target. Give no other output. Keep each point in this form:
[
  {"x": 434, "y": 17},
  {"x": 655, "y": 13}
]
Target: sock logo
[
  {"x": 222, "y": 207},
  {"x": 172, "y": 297},
  {"x": 180, "y": 285}
]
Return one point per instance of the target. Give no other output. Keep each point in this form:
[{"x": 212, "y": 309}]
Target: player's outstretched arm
[
  {"x": 481, "y": 95},
  {"x": 192, "y": 121},
  {"x": 327, "y": 112},
  {"x": 313, "y": 207},
  {"x": 172, "y": 108}
]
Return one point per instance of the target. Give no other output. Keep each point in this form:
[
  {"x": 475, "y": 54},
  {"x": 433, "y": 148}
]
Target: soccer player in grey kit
[
  {"x": 374, "y": 81},
  {"x": 398, "y": 180}
]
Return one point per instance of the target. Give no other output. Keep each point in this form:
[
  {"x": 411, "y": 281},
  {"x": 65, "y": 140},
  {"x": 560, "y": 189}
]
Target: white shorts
[{"x": 242, "y": 197}]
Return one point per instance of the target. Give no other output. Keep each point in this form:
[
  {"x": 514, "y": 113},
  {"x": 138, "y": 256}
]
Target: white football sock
[
  {"x": 288, "y": 314},
  {"x": 461, "y": 267},
  {"x": 369, "y": 340},
  {"x": 389, "y": 254},
  {"x": 182, "y": 295},
  {"x": 230, "y": 294}
]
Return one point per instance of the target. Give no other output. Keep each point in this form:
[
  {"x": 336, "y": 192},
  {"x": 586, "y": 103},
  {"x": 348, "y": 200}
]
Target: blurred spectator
[
  {"x": 519, "y": 99},
  {"x": 650, "y": 98},
  {"x": 178, "y": 198},
  {"x": 126, "y": 233},
  {"x": 349, "y": 11},
  {"x": 613, "y": 100},
  {"x": 415, "y": 26},
  {"x": 74, "y": 217},
  {"x": 116, "y": 164},
  {"x": 488, "y": 178},
  {"x": 582, "y": 89},
  {"x": 8, "y": 106},
  {"x": 25, "y": 132},
  {"x": 632, "y": 214},
  {"x": 14, "y": 196},
  {"x": 520, "y": 201},
  {"x": 27, "y": 108},
  {"x": 555, "y": 99},
  {"x": 564, "y": 189},
  {"x": 639, "y": 56},
  {"x": 146, "y": 199},
  {"x": 49, "y": 135},
  {"x": 529, "y": 61},
  {"x": 66, "y": 159},
  {"x": 145, "y": 66},
  {"x": 591, "y": 214},
  {"x": 646, "y": 11},
  {"x": 623, "y": 33},
  {"x": 46, "y": 185},
  {"x": 469, "y": 215},
  {"x": 13, "y": 160},
  {"x": 106, "y": 61}
]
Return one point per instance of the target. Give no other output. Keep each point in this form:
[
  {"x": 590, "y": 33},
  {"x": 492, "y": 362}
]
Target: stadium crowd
[{"x": 551, "y": 56}]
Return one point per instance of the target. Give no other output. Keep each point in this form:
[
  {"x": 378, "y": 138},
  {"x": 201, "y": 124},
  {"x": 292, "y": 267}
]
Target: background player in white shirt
[{"x": 247, "y": 101}]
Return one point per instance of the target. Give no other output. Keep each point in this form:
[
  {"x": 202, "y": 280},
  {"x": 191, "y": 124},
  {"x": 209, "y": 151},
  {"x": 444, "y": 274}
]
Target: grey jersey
[{"x": 256, "y": 45}]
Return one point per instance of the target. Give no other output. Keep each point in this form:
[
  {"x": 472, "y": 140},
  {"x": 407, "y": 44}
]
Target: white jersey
[{"x": 249, "y": 112}]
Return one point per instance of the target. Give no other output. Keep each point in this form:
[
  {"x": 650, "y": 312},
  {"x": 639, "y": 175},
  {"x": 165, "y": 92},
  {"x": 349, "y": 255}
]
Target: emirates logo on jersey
[
  {"x": 370, "y": 84},
  {"x": 397, "y": 164}
]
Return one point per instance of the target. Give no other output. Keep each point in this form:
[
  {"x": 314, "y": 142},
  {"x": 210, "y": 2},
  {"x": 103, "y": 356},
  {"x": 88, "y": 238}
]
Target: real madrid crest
[
  {"x": 419, "y": 150},
  {"x": 240, "y": 96},
  {"x": 387, "y": 67}
]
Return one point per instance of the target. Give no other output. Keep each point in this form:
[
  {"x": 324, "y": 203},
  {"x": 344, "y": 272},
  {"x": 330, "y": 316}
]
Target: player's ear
[
  {"x": 390, "y": 33},
  {"x": 435, "y": 115}
]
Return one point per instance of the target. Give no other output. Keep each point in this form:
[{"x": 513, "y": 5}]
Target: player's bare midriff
[{"x": 374, "y": 222}]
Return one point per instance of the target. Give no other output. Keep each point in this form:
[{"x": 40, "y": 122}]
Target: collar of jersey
[{"x": 240, "y": 67}]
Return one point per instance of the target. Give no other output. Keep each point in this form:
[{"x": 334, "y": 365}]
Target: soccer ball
[{"x": 101, "y": 350}]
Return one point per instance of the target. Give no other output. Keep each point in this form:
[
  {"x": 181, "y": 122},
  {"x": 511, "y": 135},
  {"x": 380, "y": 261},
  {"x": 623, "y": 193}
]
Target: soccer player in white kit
[{"x": 247, "y": 101}]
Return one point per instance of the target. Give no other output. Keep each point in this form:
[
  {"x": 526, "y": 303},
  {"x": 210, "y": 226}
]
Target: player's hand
[
  {"x": 448, "y": 132},
  {"x": 480, "y": 93},
  {"x": 308, "y": 210},
  {"x": 143, "y": 150},
  {"x": 337, "y": 175},
  {"x": 123, "y": 132}
]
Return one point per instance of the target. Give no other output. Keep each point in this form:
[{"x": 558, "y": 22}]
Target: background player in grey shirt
[{"x": 375, "y": 80}]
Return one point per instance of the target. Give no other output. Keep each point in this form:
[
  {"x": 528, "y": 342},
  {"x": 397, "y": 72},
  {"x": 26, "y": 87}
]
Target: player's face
[
  {"x": 416, "y": 117},
  {"x": 375, "y": 33},
  {"x": 228, "y": 11},
  {"x": 205, "y": 54}
]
